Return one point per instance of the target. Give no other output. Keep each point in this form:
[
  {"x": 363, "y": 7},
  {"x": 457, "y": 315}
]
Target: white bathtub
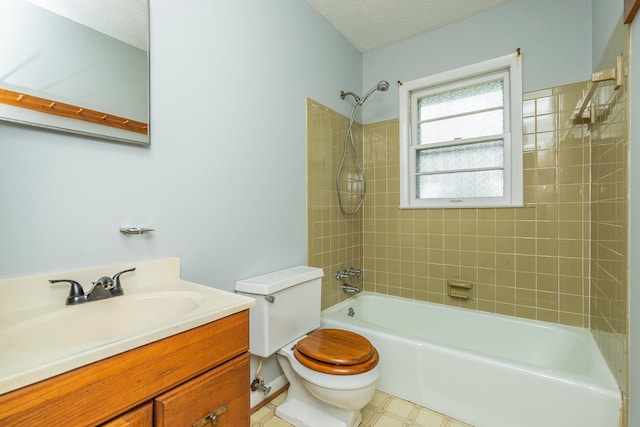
[{"x": 485, "y": 369}]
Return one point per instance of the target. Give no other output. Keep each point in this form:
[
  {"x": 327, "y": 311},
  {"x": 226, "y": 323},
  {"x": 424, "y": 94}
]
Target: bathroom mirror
[{"x": 76, "y": 65}]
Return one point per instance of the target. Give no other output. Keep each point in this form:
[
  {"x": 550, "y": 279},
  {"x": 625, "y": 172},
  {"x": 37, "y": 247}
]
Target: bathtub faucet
[
  {"x": 345, "y": 276},
  {"x": 350, "y": 289}
]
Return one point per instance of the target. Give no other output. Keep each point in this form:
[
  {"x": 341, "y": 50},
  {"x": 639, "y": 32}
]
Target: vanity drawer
[
  {"x": 224, "y": 389},
  {"x": 142, "y": 416}
]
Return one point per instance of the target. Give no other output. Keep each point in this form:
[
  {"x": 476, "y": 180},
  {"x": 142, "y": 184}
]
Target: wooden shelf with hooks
[{"x": 48, "y": 106}]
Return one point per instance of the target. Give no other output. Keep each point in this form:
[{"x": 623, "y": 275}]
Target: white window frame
[{"x": 513, "y": 184}]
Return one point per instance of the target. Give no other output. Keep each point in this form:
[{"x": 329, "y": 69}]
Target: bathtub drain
[{"x": 351, "y": 312}]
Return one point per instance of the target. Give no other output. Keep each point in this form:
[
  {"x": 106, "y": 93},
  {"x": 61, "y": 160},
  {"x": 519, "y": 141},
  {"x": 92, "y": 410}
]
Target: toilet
[{"x": 332, "y": 373}]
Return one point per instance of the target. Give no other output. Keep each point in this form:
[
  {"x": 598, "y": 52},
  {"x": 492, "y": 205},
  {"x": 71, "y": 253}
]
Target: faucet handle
[
  {"x": 342, "y": 274},
  {"x": 354, "y": 272},
  {"x": 76, "y": 293},
  {"x": 116, "y": 277}
]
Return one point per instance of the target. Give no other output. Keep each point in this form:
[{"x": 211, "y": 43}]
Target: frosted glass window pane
[
  {"x": 462, "y": 100},
  {"x": 468, "y": 156},
  {"x": 469, "y": 126},
  {"x": 459, "y": 185}
]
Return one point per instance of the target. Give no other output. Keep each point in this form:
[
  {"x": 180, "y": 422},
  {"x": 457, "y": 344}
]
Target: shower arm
[{"x": 344, "y": 94}]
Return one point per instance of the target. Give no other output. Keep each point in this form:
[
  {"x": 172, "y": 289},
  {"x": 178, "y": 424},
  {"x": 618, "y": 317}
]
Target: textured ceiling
[
  {"x": 125, "y": 20},
  {"x": 370, "y": 24}
]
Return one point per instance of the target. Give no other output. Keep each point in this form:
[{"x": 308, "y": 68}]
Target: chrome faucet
[
  {"x": 103, "y": 288},
  {"x": 345, "y": 276},
  {"x": 348, "y": 273}
]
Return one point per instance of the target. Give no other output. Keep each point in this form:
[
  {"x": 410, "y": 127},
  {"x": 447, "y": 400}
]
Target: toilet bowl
[
  {"x": 332, "y": 373},
  {"x": 322, "y": 399}
]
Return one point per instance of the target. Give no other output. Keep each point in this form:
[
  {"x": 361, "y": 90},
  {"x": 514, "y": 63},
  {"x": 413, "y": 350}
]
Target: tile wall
[
  {"x": 334, "y": 239},
  {"x": 610, "y": 215},
  {"x": 528, "y": 262}
]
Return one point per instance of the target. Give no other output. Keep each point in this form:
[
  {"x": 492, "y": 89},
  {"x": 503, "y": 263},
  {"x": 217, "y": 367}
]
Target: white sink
[
  {"x": 41, "y": 337},
  {"x": 117, "y": 317}
]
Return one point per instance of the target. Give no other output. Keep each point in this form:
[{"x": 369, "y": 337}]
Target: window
[{"x": 461, "y": 137}]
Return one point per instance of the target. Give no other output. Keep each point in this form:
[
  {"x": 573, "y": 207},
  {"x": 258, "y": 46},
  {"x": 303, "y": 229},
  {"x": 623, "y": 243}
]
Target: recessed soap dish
[{"x": 460, "y": 288}]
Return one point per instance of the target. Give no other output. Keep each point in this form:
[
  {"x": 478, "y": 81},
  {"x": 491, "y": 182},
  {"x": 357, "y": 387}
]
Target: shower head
[{"x": 383, "y": 86}]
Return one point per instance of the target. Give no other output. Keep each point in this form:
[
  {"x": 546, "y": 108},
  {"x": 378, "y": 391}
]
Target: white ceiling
[
  {"x": 370, "y": 24},
  {"x": 125, "y": 20}
]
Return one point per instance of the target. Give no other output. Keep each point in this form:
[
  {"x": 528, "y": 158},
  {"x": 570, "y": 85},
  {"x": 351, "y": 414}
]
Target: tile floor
[{"x": 384, "y": 410}]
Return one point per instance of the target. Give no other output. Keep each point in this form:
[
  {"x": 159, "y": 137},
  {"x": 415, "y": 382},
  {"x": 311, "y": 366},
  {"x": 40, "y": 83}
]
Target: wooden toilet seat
[{"x": 337, "y": 352}]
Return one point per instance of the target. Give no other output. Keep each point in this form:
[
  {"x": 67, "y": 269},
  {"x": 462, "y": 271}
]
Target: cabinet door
[
  {"x": 142, "y": 416},
  {"x": 225, "y": 389}
]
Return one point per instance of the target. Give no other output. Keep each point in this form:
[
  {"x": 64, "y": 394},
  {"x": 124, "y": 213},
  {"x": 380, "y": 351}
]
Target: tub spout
[{"x": 350, "y": 289}]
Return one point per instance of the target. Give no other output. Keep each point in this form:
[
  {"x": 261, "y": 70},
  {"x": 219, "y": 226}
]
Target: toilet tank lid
[{"x": 273, "y": 282}]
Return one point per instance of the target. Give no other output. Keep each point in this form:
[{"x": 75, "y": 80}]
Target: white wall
[
  {"x": 224, "y": 180},
  {"x": 606, "y": 14},
  {"x": 554, "y": 36}
]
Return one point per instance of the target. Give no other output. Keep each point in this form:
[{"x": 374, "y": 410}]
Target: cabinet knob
[{"x": 212, "y": 418}]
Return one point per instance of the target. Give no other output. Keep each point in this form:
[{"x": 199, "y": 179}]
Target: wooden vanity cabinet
[{"x": 181, "y": 379}]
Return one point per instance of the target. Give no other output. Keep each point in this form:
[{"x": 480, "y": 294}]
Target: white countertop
[{"x": 26, "y": 305}]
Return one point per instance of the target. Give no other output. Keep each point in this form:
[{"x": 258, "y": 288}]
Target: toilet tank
[{"x": 287, "y": 307}]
